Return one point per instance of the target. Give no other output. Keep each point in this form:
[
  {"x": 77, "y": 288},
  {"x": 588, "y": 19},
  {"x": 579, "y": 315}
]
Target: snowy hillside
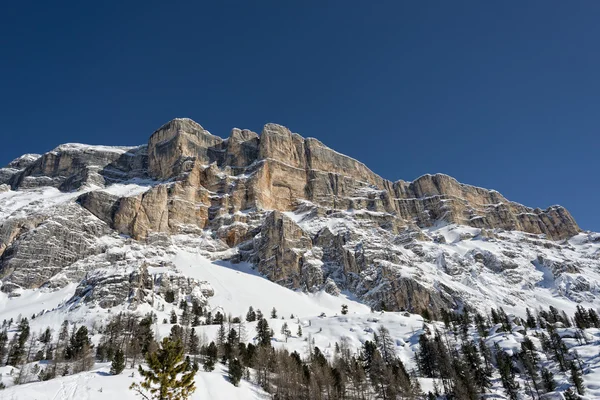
[{"x": 313, "y": 276}]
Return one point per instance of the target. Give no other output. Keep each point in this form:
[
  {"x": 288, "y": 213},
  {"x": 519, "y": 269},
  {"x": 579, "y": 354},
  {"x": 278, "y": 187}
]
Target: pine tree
[
  {"x": 170, "y": 296},
  {"x": 193, "y": 343},
  {"x": 169, "y": 376},
  {"x": 386, "y": 345},
  {"x": 530, "y": 319},
  {"x": 118, "y": 363},
  {"x": 235, "y": 371},
  {"x": 274, "y": 313},
  {"x": 507, "y": 374},
  {"x": 344, "y": 309},
  {"x": 3, "y": 342},
  {"x": 570, "y": 394},
  {"x": 17, "y": 348},
  {"x": 299, "y": 333},
  {"x": 285, "y": 331},
  {"x": 576, "y": 378},
  {"x": 173, "y": 319},
  {"x": 211, "y": 354},
  {"x": 548, "y": 380},
  {"x": 264, "y": 332},
  {"x": 250, "y": 315}
]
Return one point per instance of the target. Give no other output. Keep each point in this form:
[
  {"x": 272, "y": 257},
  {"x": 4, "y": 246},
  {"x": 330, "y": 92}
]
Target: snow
[
  {"x": 130, "y": 188},
  {"x": 98, "y": 148},
  {"x": 24, "y": 202},
  {"x": 238, "y": 286},
  {"x": 33, "y": 301},
  {"x": 99, "y": 385}
]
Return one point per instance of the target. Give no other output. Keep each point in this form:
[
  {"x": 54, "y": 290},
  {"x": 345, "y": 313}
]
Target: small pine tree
[
  {"x": 344, "y": 309},
  {"x": 250, "y": 315},
  {"x": 170, "y": 296},
  {"x": 169, "y": 376},
  {"x": 210, "y": 358},
  {"x": 274, "y": 313},
  {"x": 285, "y": 331},
  {"x": 118, "y": 363},
  {"x": 299, "y": 333},
  {"x": 548, "y": 380},
  {"x": 571, "y": 395},
  {"x": 173, "y": 319},
  {"x": 264, "y": 332},
  {"x": 576, "y": 378},
  {"x": 193, "y": 343},
  {"x": 235, "y": 371}
]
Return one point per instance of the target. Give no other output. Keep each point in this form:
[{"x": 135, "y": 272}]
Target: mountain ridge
[{"x": 306, "y": 216}]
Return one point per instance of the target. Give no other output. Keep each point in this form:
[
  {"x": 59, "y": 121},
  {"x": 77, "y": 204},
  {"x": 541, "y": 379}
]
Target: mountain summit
[{"x": 304, "y": 215}]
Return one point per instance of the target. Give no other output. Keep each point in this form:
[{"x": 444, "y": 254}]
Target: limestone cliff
[{"x": 254, "y": 195}]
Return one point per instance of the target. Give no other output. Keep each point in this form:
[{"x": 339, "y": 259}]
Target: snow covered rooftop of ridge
[{"x": 84, "y": 147}]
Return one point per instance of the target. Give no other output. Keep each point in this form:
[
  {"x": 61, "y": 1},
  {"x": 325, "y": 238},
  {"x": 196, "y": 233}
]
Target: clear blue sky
[{"x": 504, "y": 95}]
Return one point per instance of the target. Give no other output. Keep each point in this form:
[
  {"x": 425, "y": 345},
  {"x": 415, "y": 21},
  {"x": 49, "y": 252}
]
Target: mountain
[
  {"x": 306, "y": 216},
  {"x": 272, "y": 220}
]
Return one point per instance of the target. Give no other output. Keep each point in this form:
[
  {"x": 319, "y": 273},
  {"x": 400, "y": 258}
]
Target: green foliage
[
  {"x": 264, "y": 333},
  {"x": 210, "y": 357},
  {"x": 118, "y": 363},
  {"x": 344, "y": 309},
  {"x": 235, "y": 371},
  {"x": 169, "y": 376}
]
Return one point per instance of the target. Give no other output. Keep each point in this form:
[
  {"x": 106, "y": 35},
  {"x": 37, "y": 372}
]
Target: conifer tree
[
  {"x": 118, "y": 363},
  {"x": 507, "y": 374},
  {"x": 344, "y": 309},
  {"x": 299, "y": 332},
  {"x": 193, "y": 343},
  {"x": 548, "y": 380},
  {"x": 274, "y": 313},
  {"x": 211, "y": 354},
  {"x": 169, "y": 376},
  {"x": 285, "y": 331},
  {"x": 576, "y": 378},
  {"x": 235, "y": 371},
  {"x": 264, "y": 333},
  {"x": 570, "y": 394},
  {"x": 3, "y": 342},
  {"x": 250, "y": 315}
]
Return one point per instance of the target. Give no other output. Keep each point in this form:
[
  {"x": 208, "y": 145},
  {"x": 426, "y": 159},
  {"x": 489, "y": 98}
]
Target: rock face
[{"x": 306, "y": 216}]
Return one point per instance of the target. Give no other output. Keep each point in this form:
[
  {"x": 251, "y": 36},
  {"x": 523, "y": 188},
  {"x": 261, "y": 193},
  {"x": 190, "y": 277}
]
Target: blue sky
[{"x": 504, "y": 95}]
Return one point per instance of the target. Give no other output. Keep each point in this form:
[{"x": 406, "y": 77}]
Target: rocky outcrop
[
  {"x": 250, "y": 194},
  {"x": 37, "y": 249},
  {"x": 72, "y": 166},
  {"x": 279, "y": 249}
]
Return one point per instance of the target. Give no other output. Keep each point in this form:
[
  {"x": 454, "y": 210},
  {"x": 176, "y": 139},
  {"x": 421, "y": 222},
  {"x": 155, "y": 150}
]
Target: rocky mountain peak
[{"x": 305, "y": 215}]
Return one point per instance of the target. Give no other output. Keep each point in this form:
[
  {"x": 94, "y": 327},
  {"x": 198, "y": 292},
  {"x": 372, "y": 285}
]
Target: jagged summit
[
  {"x": 306, "y": 216},
  {"x": 283, "y": 168}
]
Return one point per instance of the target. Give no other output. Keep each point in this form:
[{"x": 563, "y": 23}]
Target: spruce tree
[
  {"x": 507, "y": 374},
  {"x": 250, "y": 315},
  {"x": 193, "y": 343},
  {"x": 210, "y": 357},
  {"x": 285, "y": 331},
  {"x": 235, "y": 371},
  {"x": 168, "y": 375},
  {"x": 548, "y": 380},
  {"x": 571, "y": 395},
  {"x": 118, "y": 363},
  {"x": 576, "y": 378},
  {"x": 264, "y": 332}
]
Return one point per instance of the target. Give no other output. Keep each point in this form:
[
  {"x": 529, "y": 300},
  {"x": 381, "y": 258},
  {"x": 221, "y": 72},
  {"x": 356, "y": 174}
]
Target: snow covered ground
[{"x": 98, "y": 384}]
